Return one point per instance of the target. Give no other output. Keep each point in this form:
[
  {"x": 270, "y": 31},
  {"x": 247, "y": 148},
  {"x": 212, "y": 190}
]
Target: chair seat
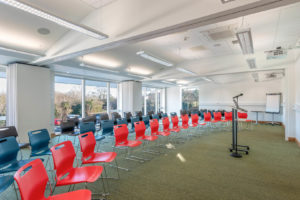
[
  {"x": 5, "y": 182},
  {"x": 100, "y": 157},
  {"x": 130, "y": 143},
  {"x": 75, "y": 195},
  {"x": 41, "y": 153},
  {"x": 176, "y": 130},
  {"x": 99, "y": 137},
  {"x": 224, "y": 120},
  {"x": 150, "y": 137},
  {"x": 87, "y": 174},
  {"x": 184, "y": 127},
  {"x": 15, "y": 166},
  {"x": 248, "y": 120},
  {"x": 202, "y": 124},
  {"x": 164, "y": 133},
  {"x": 194, "y": 125},
  {"x": 215, "y": 121}
]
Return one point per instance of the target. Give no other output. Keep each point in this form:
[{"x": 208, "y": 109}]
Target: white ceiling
[{"x": 193, "y": 49}]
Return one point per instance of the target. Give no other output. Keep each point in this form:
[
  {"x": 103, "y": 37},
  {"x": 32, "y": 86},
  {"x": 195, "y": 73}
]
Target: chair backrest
[
  {"x": 150, "y": 113},
  {"x": 39, "y": 140},
  {"x": 115, "y": 116},
  {"x": 228, "y": 115},
  {"x": 242, "y": 115},
  {"x": 87, "y": 127},
  {"x": 75, "y": 119},
  {"x": 163, "y": 115},
  {"x": 185, "y": 120},
  {"x": 207, "y": 116},
  {"x": 87, "y": 144},
  {"x": 175, "y": 121},
  {"x": 155, "y": 116},
  {"x": 173, "y": 114},
  {"x": 183, "y": 112},
  {"x": 166, "y": 123},
  {"x": 92, "y": 118},
  {"x": 67, "y": 127},
  {"x": 9, "y": 149},
  {"x": 146, "y": 120},
  {"x": 7, "y": 131},
  {"x": 217, "y": 116},
  {"x": 140, "y": 130},
  {"x": 127, "y": 115},
  {"x": 121, "y": 134},
  {"x": 107, "y": 127},
  {"x": 122, "y": 121},
  {"x": 195, "y": 118},
  {"x": 154, "y": 126},
  {"x": 63, "y": 155},
  {"x": 195, "y": 111},
  {"x": 134, "y": 119},
  {"x": 32, "y": 179},
  {"x": 104, "y": 116},
  {"x": 139, "y": 114}
]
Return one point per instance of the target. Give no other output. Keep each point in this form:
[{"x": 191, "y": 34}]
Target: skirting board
[{"x": 292, "y": 139}]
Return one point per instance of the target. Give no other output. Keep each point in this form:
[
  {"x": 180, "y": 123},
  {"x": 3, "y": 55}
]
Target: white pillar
[
  {"x": 156, "y": 100},
  {"x": 131, "y": 96},
  {"x": 83, "y": 98}
]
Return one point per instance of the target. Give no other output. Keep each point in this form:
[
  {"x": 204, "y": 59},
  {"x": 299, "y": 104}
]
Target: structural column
[
  {"x": 131, "y": 96},
  {"x": 83, "y": 98}
]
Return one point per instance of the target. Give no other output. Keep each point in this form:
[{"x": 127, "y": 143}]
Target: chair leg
[{"x": 16, "y": 191}]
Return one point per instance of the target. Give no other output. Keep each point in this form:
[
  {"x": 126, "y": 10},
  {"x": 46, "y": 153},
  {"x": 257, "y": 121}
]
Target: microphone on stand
[{"x": 238, "y": 95}]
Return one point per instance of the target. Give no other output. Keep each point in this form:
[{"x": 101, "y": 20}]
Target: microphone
[{"x": 238, "y": 95}]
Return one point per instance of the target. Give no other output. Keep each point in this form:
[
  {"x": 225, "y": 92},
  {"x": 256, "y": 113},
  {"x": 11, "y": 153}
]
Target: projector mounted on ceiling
[{"x": 278, "y": 53}]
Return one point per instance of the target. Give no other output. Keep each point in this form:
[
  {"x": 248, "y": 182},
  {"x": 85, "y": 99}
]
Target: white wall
[
  {"x": 173, "y": 99},
  {"x": 219, "y": 96},
  {"x": 29, "y": 99},
  {"x": 297, "y": 99}
]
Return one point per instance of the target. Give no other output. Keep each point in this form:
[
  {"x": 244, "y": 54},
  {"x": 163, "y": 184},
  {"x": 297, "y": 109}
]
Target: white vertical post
[
  {"x": 108, "y": 98},
  {"x": 83, "y": 98},
  {"x": 145, "y": 103},
  {"x": 156, "y": 100}
]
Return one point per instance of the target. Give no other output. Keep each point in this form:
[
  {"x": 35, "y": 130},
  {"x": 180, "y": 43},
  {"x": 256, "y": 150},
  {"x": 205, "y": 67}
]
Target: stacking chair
[
  {"x": 39, "y": 142},
  {"x": 107, "y": 127},
  {"x": 207, "y": 117},
  {"x": 139, "y": 114},
  {"x": 133, "y": 120},
  {"x": 121, "y": 141},
  {"x": 89, "y": 156},
  {"x": 146, "y": 120},
  {"x": 115, "y": 116},
  {"x": 243, "y": 117},
  {"x": 173, "y": 114},
  {"x": 166, "y": 126},
  {"x": 155, "y": 116},
  {"x": 195, "y": 120},
  {"x": 32, "y": 180},
  {"x": 175, "y": 123},
  {"x": 163, "y": 115},
  {"x": 90, "y": 127},
  {"x": 9, "y": 149},
  {"x": 154, "y": 126},
  {"x": 68, "y": 130},
  {"x": 127, "y": 116},
  {"x": 104, "y": 116},
  {"x": 184, "y": 121},
  {"x": 92, "y": 118},
  {"x": 63, "y": 158},
  {"x": 5, "y": 183},
  {"x": 122, "y": 121},
  {"x": 217, "y": 119}
]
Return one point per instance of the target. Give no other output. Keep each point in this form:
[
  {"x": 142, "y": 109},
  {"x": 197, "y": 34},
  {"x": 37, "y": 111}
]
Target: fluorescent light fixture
[
  {"x": 20, "y": 52},
  {"x": 206, "y": 79},
  {"x": 97, "y": 68},
  {"x": 138, "y": 70},
  {"x": 245, "y": 40},
  {"x": 167, "y": 82},
  {"x": 171, "y": 79},
  {"x": 154, "y": 59},
  {"x": 101, "y": 61},
  {"x": 182, "y": 82},
  {"x": 186, "y": 71},
  {"x": 62, "y": 22},
  {"x": 251, "y": 63}
]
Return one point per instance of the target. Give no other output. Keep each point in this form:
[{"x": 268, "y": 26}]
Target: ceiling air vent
[
  {"x": 220, "y": 33},
  {"x": 278, "y": 53}
]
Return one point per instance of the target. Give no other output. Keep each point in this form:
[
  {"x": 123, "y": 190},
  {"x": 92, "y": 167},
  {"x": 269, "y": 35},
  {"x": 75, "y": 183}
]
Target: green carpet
[{"x": 270, "y": 171}]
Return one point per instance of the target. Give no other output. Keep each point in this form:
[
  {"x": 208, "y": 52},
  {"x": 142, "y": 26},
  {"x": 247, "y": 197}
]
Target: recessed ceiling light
[
  {"x": 43, "y": 31},
  {"x": 226, "y": 1},
  {"x": 182, "y": 82},
  {"x": 62, "y": 22},
  {"x": 138, "y": 70},
  {"x": 101, "y": 61}
]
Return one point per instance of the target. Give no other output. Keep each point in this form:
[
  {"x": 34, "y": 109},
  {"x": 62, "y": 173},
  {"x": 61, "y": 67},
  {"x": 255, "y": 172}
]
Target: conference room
[{"x": 137, "y": 99}]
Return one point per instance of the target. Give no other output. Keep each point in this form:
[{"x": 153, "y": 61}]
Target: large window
[
  {"x": 2, "y": 97},
  {"x": 113, "y": 96},
  {"x": 95, "y": 97},
  {"x": 150, "y": 99},
  {"x": 190, "y": 98},
  {"x": 67, "y": 97}
]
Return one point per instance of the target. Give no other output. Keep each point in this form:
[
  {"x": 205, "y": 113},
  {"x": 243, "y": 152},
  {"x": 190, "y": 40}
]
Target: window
[
  {"x": 67, "y": 97},
  {"x": 113, "y": 97},
  {"x": 190, "y": 98},
  {"x": 150, "y": 99},
  {"x": 2, "y": 97},
  {"x": 95, "y": 97},
  {"x": 144, "y": 94}
]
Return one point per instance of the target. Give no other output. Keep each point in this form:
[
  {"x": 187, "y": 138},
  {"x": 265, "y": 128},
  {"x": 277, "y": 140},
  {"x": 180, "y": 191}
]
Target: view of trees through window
[
  {"x": 67, "y": 97},
  {"x": 95, "y": 97},
  {"x": 150, "y": 99},
  {"x": 190, "y": 98},
  {"x": 2, "y": 97}
]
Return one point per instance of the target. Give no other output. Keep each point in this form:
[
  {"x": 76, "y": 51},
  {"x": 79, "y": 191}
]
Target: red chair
[
  {"x": 32, "y": 180},
  {"x": 195, "y": 120},
  {"x": 89, "y": 156},
  {"x": 228, "y": 116},
  {"x": 154, "y": 126},
  {"x": 184, "y": 121},
  {"x": 244, "y": 117},
  {"x": 121, "y": 140},
  {"x": 63, "y": 159},
  {"x": 140, "y": 130},
  {"x": 207, "y": 117},
  {"x": 166, "y": 125},
  {"x": 175, "y": 122}
]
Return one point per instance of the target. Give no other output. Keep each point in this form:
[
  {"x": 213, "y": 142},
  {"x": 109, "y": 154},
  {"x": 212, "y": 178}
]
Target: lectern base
[{"x": 236, "y": 155}]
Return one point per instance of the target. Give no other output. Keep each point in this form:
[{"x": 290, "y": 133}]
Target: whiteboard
[{"x": 273, "y": 103}]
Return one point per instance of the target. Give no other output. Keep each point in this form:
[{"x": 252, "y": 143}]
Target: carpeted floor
[{"x": 201, "y": 168}]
